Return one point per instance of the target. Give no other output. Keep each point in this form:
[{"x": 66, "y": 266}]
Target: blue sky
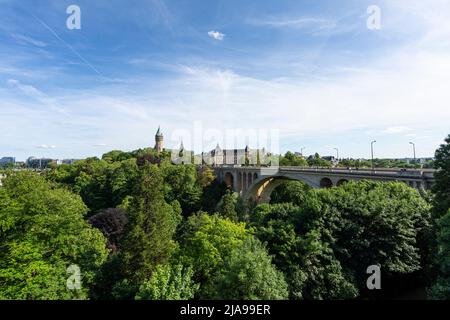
[{"x": 310, "y": 70}]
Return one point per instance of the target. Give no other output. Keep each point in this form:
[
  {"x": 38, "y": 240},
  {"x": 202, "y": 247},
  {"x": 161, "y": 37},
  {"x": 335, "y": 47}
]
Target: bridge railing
[
  {"x": 365, "y": 171},
  {"x": 393, "y": 172}
]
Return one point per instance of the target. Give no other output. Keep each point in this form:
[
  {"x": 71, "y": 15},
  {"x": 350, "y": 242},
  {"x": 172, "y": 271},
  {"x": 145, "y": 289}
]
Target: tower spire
[
  {"x": 159, "y": 133},
  {"x": 159, "y": 140}
]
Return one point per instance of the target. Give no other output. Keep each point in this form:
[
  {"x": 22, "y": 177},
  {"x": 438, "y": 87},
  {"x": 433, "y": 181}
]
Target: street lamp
[
  {"x": 337, "y": 153},
  {"x": 371, "y": 149},
  {"x": 414, "y": 150}
]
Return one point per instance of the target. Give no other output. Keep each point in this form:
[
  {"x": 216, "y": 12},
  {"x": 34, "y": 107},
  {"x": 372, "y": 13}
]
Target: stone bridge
[{"x": 257, "y": 183}]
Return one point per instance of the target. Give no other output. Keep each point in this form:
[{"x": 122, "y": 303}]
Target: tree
[
  {"x": 42, "y": 233},
  {"x": 116, "y": 156},
  {"x": 205, "y": 176},
  {"x": 206, "y": 241},
  {"x": 317, "y": 161},
  {"x": 169, "y": 282},
  {"x": 227, "y": 206},
  {"x": 121, "y": 180},
  {"x": 152, "y": 225},
  {"x": 249, "y": 274},
  {"x": 100, "y": 183},
  {"x": 290, "y": 159},
  {"x": 312, "y": 271},
  {"x": 441, "y": 290},
  {"x": 180, "y": 183},
  {"x": 368, "y": 223},
  {"x": 111, "y": 222},
  {"x": 290, "y": 191},
  {"x": 333, "y": 235},
  {"x": 441, "y": 190},
  {"x": 212, "y": 194},
  {"x": 319, "y": 275},
  {"x": 91, "y": 183},
  {"x": 150, "y": 156},
  {"x": 442, "y": 176}
]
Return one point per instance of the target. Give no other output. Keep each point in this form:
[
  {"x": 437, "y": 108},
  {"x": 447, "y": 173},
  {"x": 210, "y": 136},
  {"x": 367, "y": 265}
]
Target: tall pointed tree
[{"x": 151, "y": 227}]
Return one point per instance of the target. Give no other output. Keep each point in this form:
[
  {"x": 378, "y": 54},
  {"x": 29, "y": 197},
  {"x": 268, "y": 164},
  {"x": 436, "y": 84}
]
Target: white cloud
[
  {"x": 216, "y": 35},
  {"x": 396, "y": 130},
  {"x": 34, "y": 93},
  {"x": 298, "y": 23},
  {"x": 391, "y": 96},
  {"x": 317, "y": 26},
  {"x": 28, "y": 40},
  {"x": 44, "y": 146}
]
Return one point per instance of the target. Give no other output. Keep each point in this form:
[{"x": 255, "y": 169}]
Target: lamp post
[
  {"x": 414, "y": 150},
  {"x": 337, "y": 153},
  {"x": 371, "y": 149},
  {"x": 301, "y": 150}
]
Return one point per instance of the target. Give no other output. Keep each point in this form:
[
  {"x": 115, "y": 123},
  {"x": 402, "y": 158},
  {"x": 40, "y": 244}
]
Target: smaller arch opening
[
  {"x": 341, "y": 182},
  {"x": 326, "y": 183},
  {"x": 229, "y": 179}
]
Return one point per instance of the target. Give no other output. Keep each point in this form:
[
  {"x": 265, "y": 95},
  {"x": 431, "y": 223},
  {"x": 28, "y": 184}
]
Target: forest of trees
[{"x": 139, "y": 227}]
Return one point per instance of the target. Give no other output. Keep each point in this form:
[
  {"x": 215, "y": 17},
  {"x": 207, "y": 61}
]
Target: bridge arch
[
  {"x": 229, "y": 179},
  {"x": 261, "y": 190},
  {"x": 341, "y": 182},
  {"x": 262, "y": 187},
  {"x": 326, "y": 183}
]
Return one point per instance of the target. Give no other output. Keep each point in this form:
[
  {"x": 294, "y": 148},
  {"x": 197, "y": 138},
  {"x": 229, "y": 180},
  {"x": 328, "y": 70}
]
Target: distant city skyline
[
  {"x": 312, "y": 70},
  {"x": 52, "y": 152}
]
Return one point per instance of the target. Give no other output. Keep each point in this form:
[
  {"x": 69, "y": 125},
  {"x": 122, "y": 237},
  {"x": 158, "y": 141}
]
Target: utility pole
[{"x": 371, "y": 149}]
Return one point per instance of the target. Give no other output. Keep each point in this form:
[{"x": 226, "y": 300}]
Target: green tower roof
[{"x": 159, "y": 133}]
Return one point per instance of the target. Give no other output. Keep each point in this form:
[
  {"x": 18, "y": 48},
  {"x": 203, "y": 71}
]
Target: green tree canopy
[
  {"x": 227, "y": 205},
  {"x": 370, "y": 223},
  {"x": 169, "y": 282},
  {"x": 205, "y": 243},
  {"x": 335, "y": 234},
  {"x": 42, "y": 233},
  {"x": 317, "y": 161},
  {"x": 290, "y": 191},
  {"x": 441, "y": 290},
  {"x": 180, "y": 183},
  {"x": 249, "y": 274},
  {"x": 442, "y": 176},
  {"x": 290, "y": 159},
  {"x": 100, "y": 183},
  {"x": 151, "y": 227},
  {"x": 311, "y": 269}
]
